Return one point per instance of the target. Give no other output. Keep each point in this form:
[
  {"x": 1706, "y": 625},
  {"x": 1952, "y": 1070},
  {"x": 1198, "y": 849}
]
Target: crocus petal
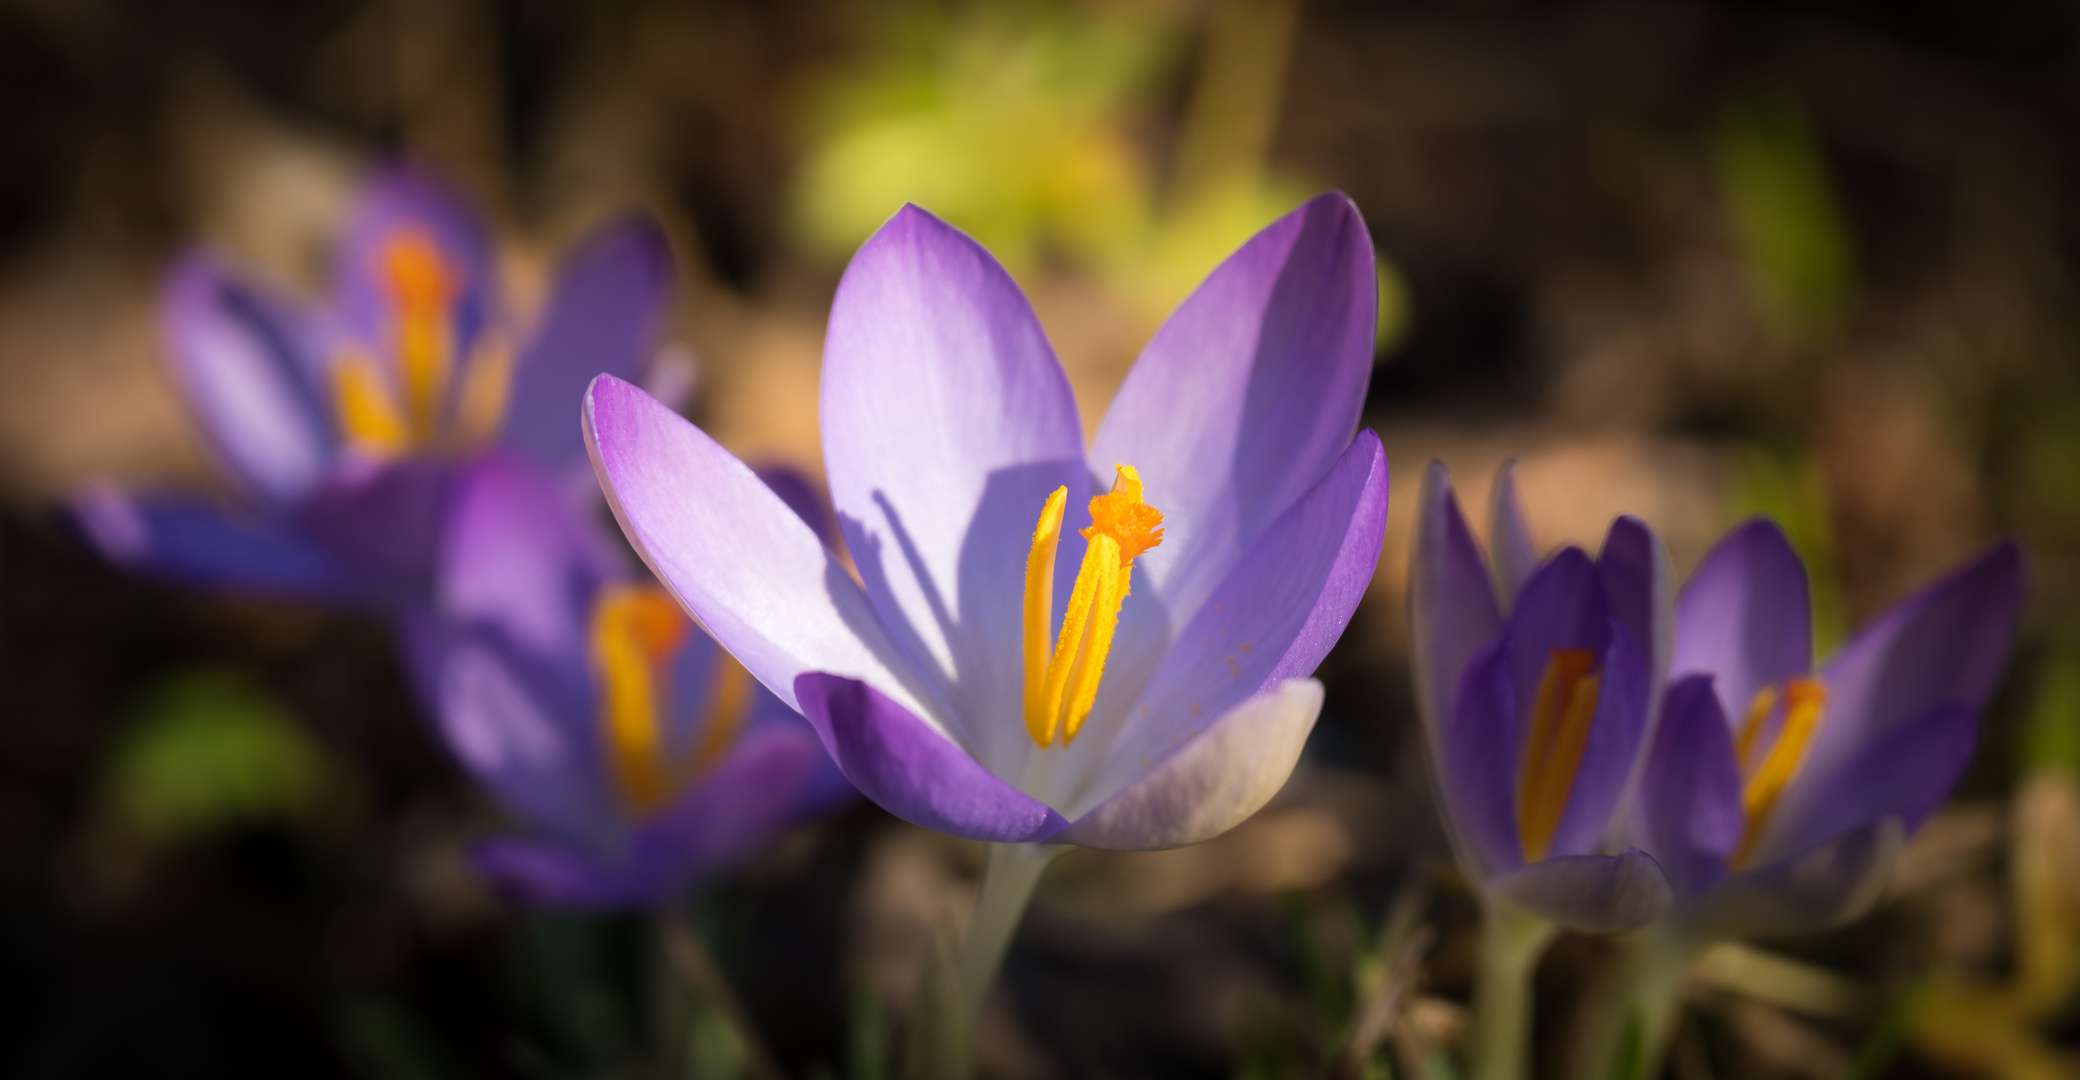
[
  {"x": 1509, "y": 539},
  {"x": 1452, "y": 609},
  {"x": 947, "y": 422},
  {"x": 755, "y": 793},
  {"x": 1745, "y": 617},
  {"x": 383, "y": 518},
  {"x": 604, "y": 316},
  {"x": 1818, "y": 888},
  {"x": 914, "y": 772},
  {"x": 196, "y": 542},
  {"x": 1561, "y": 607},
  {"x": 737, "y": 558},
  {"x": 1639, "y": 583},
  {"x": 1214, "y": 782},
  {"x": 1246, "y": 395},
  {"x": 1946, "y": 644},
  {"x": 801, "y": 496},
  {"x": 525, "y": 730},
  {"x": 1479, "y": 770},
  {"x": 1590, "y": 894},
  {"x": 547, "y": 873},
  {"x": 1275, "y": 617},
  {"x": 399, "y": 199},
  {"x": 1904, "y": 774},
  {"x": 244, "y": 361},
  {"x": 518, "y": 555},
  {"x": 1616, "y": 736},
  {"x": 1690, "y": 794}
]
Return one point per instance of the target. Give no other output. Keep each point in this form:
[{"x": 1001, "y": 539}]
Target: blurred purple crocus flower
[
  {"x": 339, "y": 425},
  {"x": 1776, "y": 796},
  {"x": 957, "y": 463},
  {"x": 639, "y": 757},
  {"x": 1535, "y": 681}
]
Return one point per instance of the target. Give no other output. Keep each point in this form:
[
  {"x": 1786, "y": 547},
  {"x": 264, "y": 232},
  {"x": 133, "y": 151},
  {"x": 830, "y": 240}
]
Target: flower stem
[
  {"x": 690, "y": 960},
  {"x": 1512, "y": 940},
  {"x": 1008, "y": 877},
  {"x": 1628, "y": 1028}
]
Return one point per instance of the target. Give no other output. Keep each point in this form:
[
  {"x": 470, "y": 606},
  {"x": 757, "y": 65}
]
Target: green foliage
[
  {"x": 208, "y": 750},
  {"x": 1784, "y": 216},
  {"x": 2051, "y": 735}
]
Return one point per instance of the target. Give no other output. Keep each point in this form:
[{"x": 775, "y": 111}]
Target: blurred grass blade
[{"x": 207, "y": 750}]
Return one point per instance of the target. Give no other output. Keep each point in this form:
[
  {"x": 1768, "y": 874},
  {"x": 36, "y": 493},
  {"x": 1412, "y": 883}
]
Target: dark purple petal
[
  {"x": 1905, "y": 774},
  {"x": 760, "y": 790},
  {"x": 1590, "y": 894},
  {"x": 803, "y": 496},
  {"x": 525, "y": 730},
  {"x": 1509, "y": 538},
  {"x": 382, "y": 518},
  {"x": 914, "y": 772},
  {"x": 1945, "y": 645},
  {"x": 1689, "y": 806},
  {"x": 1561, "y": 607},
  {"x": 246, "y": 362},
  {"x": 947, "y": 422},
  {"x": 1247, "y": 394},
  {"x": 1617, "y": 736},
  {"x": 401, "y": 198},
  {"x": 1214, "y": 782},
  {"x": 195, "y": 542},
  {"x": 1451, "y": 606},
  {"x": 605, "y": 315},
  {"x": 1280, "y": 610},
  {"x": 518, "y": 555},
  {"x": 1481, "y": 750},
  {"x": 1821, "y": 887},
  {"x": 552, "y": 874},
  {"x": 1639, "y": 583},
  {"x": 737, "y": 558},
  {"x": 1745, "y": 617}
]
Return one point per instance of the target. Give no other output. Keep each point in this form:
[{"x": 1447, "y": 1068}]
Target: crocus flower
[
  {"x": 1776, "y": 796},
  {"x": 1534, "y": 681},
  {"x": 638, "y": 756},
  {"x": 1108, "y": 648},
  {"x": 338, "y": 425}
]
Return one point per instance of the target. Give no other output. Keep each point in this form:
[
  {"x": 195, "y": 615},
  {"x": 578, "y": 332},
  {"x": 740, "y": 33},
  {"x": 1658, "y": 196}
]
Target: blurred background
[{"x": 1684, "y": 259}]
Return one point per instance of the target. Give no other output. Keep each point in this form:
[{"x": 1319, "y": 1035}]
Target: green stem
[
  {"x": 1629, "y": 1027},
  {"x": 1512, "y": 940},
  {"x": 1008, "y": 878}
]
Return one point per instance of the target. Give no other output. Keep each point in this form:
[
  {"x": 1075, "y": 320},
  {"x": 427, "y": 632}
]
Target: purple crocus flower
[
  {"x": 1776, "y": 796},
  {"x": 339, "y": 426},
  {"x": 1535, "y": 682},
  {"x": 1174, "y": 699},
  {"x": 637, "y": 754}
]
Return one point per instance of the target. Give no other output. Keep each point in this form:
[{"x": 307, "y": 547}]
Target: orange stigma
[
  {"x": 637, "y": 632},
  {"x": 1561, "y": 717}
]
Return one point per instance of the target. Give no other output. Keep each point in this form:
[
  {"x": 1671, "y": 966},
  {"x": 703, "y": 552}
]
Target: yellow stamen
[
  {"x": 367, "y": 414},
  {"x": 422, "y": 290},
  {"x": 1561, "y": 717},
  {"x": 487, "y": 383},
  {"x": 729, "y": 705},
  {"x": 1751, "y": 727},
  {"x": 1061, "y": 687},
  {"x": 635, "y": 631},
  {"x": 1805, "y": 701}
]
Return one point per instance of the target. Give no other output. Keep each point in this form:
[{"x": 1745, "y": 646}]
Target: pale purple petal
[
  {"x": 1617, "y": 735},
  {"x": 737, "y": 558},
  {"x": 196, "y": 542},
  {"x": 1561, "y": 607},
  {"x": 1745, "y": 617},
  {"x": 519, "y": 555},
  {"x": 1275, "y": 617},
  {"x": 914, "y": 772},
  {"x": 1246, "y": 395},
  {"x": 1815, "y": 889},
  {"x": 1945, "y": 645},
  {"x": 1479, "y": 767},
  {"x": 1905, "y": 774},
  {"x": 1509, "y": 538},
  {"x": 399, "y": 199},
  {"x": 1214, "y": 782},
  {"x": 1689, "y": 804},
  {"x": 606, "y": 312},
  {"x": 382, "y": 518},
  {"x": 245, "y": 362},
  {"x": 1590, "y": 894},
  {"x": 1451, "y": 606}
]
